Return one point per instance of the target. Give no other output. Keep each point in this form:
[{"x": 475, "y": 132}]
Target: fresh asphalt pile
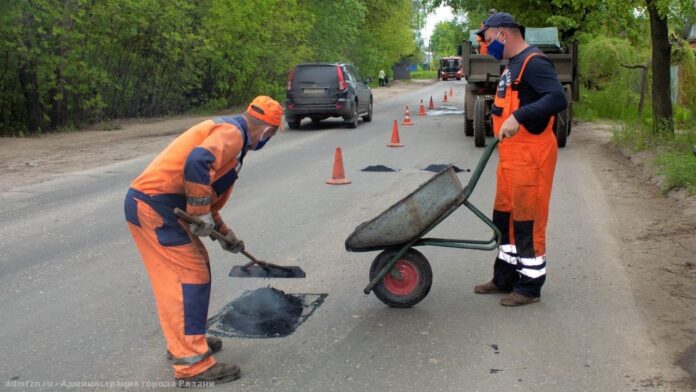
[{"x": 265, "y": 312}]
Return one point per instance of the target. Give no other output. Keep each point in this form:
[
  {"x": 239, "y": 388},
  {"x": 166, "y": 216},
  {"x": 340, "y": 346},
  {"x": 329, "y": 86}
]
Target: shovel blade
[{"x": 257, "y": 271}]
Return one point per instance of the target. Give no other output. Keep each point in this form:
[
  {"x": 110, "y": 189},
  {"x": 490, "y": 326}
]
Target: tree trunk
[
  {"x": 32, "y": 101},
  {"x": 661, "y": 59}
]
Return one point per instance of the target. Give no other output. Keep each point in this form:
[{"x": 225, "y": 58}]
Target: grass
[
  {"x": 424, "y": 75},
  {"x": 673, "y": 153}
]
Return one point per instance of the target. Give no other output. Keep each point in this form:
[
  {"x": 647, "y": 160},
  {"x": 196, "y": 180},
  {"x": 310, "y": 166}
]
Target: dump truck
[{"x": 483, "y": 71}]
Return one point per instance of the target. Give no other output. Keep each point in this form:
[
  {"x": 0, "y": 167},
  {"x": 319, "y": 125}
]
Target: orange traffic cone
[
  {"x": 339, "y": 176},
  {"x": 407, "y": 117},
  {"x": 451, "y": 93},
  {"x": 432, "y": 105},
  {"x": 421, "y": 109},
  {"x": 395, "y": 142},
  {"x": 445, "y": 100}
]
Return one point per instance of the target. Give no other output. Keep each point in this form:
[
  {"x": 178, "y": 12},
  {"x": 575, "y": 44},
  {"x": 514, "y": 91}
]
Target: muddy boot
[
  {"x": 219, "y": 373},
  {"x": 488, "y": 288},
  {"x": 214, "y": 342},
  {"x": 517, "y": 299}
]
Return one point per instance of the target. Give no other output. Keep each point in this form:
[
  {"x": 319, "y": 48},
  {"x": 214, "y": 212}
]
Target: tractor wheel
[
  {"x": 561, "y": 128},
  {"x": 480, "y": 121}
]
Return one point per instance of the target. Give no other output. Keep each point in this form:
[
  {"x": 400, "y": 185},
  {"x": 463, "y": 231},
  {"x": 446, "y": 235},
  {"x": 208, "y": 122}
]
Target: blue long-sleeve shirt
[{"x": 541, "y": 94}]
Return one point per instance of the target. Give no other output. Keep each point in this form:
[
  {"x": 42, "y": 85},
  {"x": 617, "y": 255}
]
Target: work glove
[
  {"x": 232, "y": 244},
  {"x": 205, "y": 227}
]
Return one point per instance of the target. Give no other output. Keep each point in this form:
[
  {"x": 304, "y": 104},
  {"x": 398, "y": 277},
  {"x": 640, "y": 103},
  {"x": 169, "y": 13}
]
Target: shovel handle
[
  {"x": 214, "y": 234},
  {"x": 194, "y": 219}
]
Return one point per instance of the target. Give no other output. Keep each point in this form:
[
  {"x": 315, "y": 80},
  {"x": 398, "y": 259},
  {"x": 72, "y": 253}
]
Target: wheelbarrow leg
[{"x": 386, "y": 268}]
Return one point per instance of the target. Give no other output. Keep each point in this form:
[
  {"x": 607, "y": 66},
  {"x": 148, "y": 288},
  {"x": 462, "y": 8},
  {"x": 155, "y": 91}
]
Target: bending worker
[
  {"x": 529, "y": 95},
  {"x": 195, "y": 173}
]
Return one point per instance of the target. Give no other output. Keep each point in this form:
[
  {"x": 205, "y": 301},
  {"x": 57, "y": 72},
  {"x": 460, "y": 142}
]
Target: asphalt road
[{"x": 76, "y": 303}]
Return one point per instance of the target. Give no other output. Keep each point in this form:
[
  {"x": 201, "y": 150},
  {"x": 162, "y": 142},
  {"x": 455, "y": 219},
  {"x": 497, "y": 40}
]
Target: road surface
[{"x": 76, "y": 303}]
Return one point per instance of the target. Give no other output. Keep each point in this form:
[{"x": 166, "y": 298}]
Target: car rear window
[{"x": 320, "y": 74}]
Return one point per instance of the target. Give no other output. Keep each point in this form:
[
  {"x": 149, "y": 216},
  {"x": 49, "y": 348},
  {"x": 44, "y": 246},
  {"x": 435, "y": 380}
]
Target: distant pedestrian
[{"x": 382, "y": 78}]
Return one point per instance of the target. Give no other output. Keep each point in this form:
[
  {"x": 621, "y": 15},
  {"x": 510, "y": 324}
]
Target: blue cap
[{"x": 500, "y": 19}]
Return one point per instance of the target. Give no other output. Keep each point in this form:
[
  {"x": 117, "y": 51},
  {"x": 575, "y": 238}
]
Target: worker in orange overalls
[
  {"x": 483, "y": 46},
  {"x": 528, "y": 97},
  {"x": 196, "y": 173}
]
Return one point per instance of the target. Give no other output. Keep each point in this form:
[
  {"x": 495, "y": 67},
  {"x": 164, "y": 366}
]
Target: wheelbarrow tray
[{"x": 411, "y": 217}]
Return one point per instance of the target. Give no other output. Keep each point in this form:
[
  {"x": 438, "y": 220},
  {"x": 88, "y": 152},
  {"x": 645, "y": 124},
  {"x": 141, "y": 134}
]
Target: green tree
[
  {"x": 590, "y": 16},
  {"x": 335, "y": 27},
  {"x": 446, "y": 38},
  {"x": 72, "y": 62}
]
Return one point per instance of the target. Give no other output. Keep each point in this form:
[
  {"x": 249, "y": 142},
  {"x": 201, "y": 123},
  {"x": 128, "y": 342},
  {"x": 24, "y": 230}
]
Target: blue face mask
[
  {"x": 262, "y": 142},
  {"x": 496, "y": 48}
]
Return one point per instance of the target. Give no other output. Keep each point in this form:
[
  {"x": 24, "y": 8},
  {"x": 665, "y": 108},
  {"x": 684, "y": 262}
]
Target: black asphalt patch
[
  {"x": 436, "y": 168},
  {"x": 379, "y": 168},
  {"x": 264, "y": 313}
]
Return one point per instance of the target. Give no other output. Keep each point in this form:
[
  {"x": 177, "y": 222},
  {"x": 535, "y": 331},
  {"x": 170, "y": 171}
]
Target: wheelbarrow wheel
[{"x": 407, "y": 283}]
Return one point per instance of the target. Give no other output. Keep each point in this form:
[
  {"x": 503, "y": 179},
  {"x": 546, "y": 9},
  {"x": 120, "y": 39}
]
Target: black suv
[{"x": 322, "y": 90}]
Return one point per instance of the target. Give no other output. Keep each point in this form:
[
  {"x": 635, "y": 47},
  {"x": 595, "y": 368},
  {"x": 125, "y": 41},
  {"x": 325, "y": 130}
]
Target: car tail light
[
  {"x": 291, "y": 74},
  {"x": 342, "y": 85}
]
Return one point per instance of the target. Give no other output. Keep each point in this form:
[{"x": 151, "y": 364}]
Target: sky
[{"x": 442, "y": 13}]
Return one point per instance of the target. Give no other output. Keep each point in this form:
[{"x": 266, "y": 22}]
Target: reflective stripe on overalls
[{"x": 524, "y": 179}]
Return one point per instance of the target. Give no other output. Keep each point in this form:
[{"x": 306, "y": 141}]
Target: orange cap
[{"x": 266, "y": 109}]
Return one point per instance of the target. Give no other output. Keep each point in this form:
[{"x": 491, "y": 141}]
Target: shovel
[{"x": 253, "y": 269}]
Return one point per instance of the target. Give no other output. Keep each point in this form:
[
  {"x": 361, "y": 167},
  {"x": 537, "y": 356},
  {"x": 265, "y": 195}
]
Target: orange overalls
[
  {"x": 524, "y": 178},
  {"x": 195, "y": 172},
  {"x": 483, "y": 46}
]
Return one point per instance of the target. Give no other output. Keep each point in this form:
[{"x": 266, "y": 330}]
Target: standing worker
[
  {"x": 483, "y": 46},
  {"x": 529, "y": 95},
  {"x": 381, "y": 78},
  {"x": 195, "y": 173}
]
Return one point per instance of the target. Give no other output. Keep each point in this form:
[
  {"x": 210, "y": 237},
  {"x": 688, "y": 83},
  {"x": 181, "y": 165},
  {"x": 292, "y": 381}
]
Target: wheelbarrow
[{"x": 400, "y": 276}]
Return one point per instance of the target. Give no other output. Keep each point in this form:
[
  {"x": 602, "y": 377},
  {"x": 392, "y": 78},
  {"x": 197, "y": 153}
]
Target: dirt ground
[
  {"x": 658, "y": 231},
  {"x": 25, "y": 161}
]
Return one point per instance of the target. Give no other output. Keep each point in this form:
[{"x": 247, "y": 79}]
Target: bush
[{"x": 424, "y": 75}]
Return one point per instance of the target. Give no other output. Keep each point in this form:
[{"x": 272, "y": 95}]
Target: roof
[{"x": 692, "y": 34}]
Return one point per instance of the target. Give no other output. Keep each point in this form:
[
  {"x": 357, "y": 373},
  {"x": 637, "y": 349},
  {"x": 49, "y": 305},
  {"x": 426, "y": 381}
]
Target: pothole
[
  {"x": 264, "y": 313},
  {"x": 379, "y": 168},
  {"x": 439, "y": 167}
]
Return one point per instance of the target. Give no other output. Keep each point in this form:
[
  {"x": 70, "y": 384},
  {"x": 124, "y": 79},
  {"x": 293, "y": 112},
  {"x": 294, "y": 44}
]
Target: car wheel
[
  {"x": 368, "y": 118},
  {"x": 295, "y": 123},
  {"x": 353, "y": 121}
]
